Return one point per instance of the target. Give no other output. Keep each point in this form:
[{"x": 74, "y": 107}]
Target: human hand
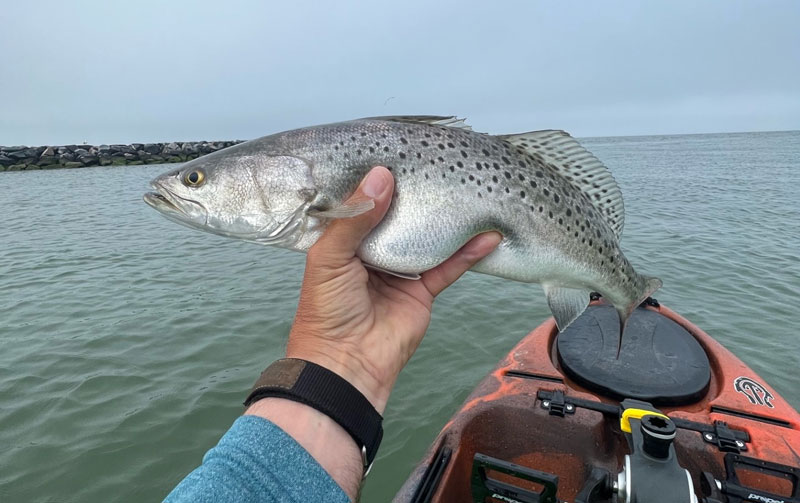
[{"x": 362, "y": 324}]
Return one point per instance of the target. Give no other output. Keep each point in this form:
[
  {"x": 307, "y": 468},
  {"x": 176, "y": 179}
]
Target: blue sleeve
[{"x": 257, "y": 461}]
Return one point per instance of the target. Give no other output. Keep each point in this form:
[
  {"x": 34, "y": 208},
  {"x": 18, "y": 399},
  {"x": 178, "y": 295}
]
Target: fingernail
[{"x": 375, "y": 183}]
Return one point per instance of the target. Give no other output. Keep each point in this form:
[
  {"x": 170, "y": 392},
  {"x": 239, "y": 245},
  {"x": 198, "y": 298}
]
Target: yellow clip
[{"x": 628, "y": 414}]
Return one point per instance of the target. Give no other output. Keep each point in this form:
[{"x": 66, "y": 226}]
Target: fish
[{"x": 558, "y": 208}]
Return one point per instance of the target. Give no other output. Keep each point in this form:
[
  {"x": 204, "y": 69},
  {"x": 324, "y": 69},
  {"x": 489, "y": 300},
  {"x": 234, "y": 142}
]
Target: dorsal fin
[
  {"x": 579, "y": 167},
  {"x": 434, "y": 120}
]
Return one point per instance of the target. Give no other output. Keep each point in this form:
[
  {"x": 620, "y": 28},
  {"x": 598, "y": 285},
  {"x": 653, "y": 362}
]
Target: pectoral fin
[
  {"x": 566, "y": 304},
  {"x": 344, "y": 211},
  {"x": 394, "y": 273}
]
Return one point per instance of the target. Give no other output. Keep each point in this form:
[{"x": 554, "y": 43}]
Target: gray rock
[
  {"x": 66, "y": 157},
  {"x": 47, "y": 160},
  {"x": 152, "y": 148},
  {"x": 137, "y": 146},
  {"x": 73, "y": 165},
  {"x": 171, "y": 149},
  {"x": 5, "y": 160},
  {"x": 49, "y": 151},
  {"x": 88, "y": 160},
  {"x": 26, "y": 153},
  {"x": 80, "y": 151},
  {"x": 14, "y": 148},
  {"x": 103, "y": 149},
  {"x": 130, "y": 156},
  {"x": 125, "y": 149}
]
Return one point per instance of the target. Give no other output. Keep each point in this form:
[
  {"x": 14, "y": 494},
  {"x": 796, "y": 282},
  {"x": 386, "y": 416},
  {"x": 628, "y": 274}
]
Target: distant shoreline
[{"x": 23, "y": 158}]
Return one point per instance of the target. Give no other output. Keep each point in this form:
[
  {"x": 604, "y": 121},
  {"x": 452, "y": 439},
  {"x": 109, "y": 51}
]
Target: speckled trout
[{"x": 557, "y": 206}]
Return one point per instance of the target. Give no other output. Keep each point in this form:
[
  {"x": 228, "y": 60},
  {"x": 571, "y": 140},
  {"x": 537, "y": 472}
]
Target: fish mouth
[{"x": 176, "y": 208}]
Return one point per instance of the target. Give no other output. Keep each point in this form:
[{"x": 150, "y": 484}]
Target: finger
[
  {"x": 338, "y": 244},
  {"x": 446, "y": 273}
]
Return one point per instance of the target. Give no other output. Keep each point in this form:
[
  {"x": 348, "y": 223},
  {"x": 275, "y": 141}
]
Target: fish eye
[{"x": 194, "y": 178}]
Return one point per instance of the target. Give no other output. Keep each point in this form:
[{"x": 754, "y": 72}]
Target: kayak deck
[{"x": 528, "y": 411}]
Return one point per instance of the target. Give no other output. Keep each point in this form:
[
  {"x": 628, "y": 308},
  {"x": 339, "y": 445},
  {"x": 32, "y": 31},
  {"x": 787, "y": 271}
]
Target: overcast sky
[{"x": 122, "y": 72}]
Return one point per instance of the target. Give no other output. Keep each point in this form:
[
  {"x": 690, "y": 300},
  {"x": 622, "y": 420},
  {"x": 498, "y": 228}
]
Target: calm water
[{"x": 127, "y": 343}]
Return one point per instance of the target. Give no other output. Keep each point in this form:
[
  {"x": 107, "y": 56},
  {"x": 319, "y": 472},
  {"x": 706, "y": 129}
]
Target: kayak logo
[
  {"x": 764, "y": 499},
  {"x": 754, "y": 391}
]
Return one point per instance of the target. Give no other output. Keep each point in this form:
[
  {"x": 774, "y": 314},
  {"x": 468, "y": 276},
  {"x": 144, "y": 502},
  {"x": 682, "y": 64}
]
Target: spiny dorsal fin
[
  {"x": 580, "y": 167},
  {"x": 434, "y": 120}
]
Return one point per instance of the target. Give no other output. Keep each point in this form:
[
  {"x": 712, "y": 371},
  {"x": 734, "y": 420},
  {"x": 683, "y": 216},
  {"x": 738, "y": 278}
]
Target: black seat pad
[{"x": 660, "y": 362}]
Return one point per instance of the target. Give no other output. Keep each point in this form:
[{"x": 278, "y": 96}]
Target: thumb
[{"x": 338, "y": 244}]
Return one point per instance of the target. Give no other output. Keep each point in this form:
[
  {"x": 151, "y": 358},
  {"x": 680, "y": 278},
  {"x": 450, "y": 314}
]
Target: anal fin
[
  {"x": 403, "y": 275},
  {"x": 566, "y": 304}
]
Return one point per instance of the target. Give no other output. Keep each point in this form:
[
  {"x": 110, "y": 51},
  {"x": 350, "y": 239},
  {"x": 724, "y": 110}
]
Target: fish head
[{"x": 241, "y": 194}]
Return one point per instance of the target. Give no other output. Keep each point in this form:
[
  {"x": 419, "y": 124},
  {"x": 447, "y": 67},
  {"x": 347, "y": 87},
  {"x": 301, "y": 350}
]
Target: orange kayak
[{"x": 676, "y": 418}]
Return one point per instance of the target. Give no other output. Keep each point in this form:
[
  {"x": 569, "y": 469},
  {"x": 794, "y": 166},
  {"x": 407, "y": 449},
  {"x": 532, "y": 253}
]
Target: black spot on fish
[
  {"x": 460, "y": 164},
  {"x": 358, "y": 151},
  {"x": 336, "y": 147},
  {"x": 426, "y": 176},
  {"x": 424, "y": 143},
  {"x": 463, "y": 181},
  {"x": 555, "y": 197},
  {"x": 522, "y": 194},
  {"x": 569, "y": 212},
  {"x": 452, "y": 168},
  {"x": 478, "y": 165},
  {"x": 363, "y": 133},
  {"x": 539, "y": 174},
  {"x": 496, "y": 166},
  {"x": 464, "y": 154},
  {"x": 507, "y": 191},
  {"x": 427, "y": 135},
  {"x": 450, "y": 145},
  {"x": 405, "y": 171},
  {"x": 550, "y": 214},
  {"x": 521, "y": 164},
  {"x": 464, "y": 144},
  {"x": 385, "y": 149},
  {"x": 471, "y": 178},
  {"x": 346, "y": 155},
  {"x": 440, "y": 158},
  {"x": 372, "y": 150},
  {"x": 352, "y": 138},
  {"x": 507, "y": 174},
  {"x": 403, "y": 141},
  {"x": 546, "y": 192},
  {"x": 433, "y": 163},
  {"x": 441, "y": 146},
  {"x": 541, "y": 209},
  {"x": 494, "y": 179},
  {"x": 485, "y": 152},
  {"x": 401, "y": 154},
  {"x": 478, "y": 182},
  {"x": 560, "y": 221},
  {"x": 505, "y": 160},
  {"x": 489, "y": 189},
  {"x": 521, "y": 178},
  {"x": 480, "y": 195}
]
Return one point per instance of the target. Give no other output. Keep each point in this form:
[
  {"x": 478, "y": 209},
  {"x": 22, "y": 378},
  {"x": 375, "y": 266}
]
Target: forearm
[{"x": 327, "y": 442}]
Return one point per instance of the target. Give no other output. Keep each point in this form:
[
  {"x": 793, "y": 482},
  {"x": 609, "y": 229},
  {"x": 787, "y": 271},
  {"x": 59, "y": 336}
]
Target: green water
[{"x": 127, "y": 342}]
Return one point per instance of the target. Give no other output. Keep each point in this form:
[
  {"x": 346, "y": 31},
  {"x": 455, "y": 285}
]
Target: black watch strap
[{"x": 318, "y": 387}]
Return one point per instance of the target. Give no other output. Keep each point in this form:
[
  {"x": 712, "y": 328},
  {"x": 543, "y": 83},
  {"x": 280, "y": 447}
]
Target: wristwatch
[{"x": 326, "y": 391}]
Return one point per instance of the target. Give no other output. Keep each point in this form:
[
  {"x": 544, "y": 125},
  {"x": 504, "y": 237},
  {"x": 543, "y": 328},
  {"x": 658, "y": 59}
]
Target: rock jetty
[{"x": 78, "y": 156}]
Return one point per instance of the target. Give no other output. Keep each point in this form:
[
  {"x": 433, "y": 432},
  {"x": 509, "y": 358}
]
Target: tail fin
[{"x": 651, "y": 284}]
